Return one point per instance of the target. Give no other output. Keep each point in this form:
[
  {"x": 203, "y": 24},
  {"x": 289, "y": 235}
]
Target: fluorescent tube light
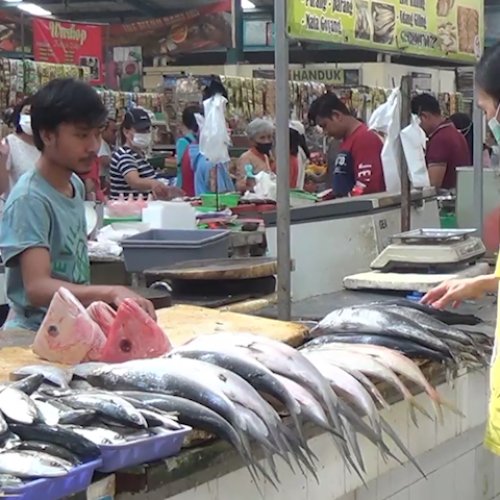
[{"x": 34, "y": 9}]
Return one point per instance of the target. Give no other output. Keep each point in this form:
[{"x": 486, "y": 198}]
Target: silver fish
[
  {"x": 53, "y": 374},
  {"x": 17, "y": 406},
  {"x": 30, "y": 464},
  {"x": 98, "y": 435}
]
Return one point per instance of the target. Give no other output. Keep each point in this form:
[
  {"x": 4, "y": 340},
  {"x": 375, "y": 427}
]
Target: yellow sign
[{"x": 447, "y": 29}]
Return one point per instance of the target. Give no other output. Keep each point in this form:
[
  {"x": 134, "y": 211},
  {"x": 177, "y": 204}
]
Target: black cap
[{"x": 137, "y": 118}]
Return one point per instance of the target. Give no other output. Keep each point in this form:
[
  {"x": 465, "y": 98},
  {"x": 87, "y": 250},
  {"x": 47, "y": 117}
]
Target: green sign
[{"x": 448, "y": 29}]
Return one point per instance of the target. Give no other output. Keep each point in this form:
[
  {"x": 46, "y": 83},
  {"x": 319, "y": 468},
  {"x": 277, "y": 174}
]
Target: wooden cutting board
[
  {"x": 217, "y": 269},
  {"x": 184, "y": 322},
  {"x": 180, "y": 322}
]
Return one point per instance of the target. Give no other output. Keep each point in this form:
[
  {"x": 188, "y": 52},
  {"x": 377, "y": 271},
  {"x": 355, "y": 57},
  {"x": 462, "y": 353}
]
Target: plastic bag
[
  {"x": 214, "y": 136},
  {"x": 414, "y": 141},
  {"x": 265, "y": 186},
  {"x": 386, "y": 119}
]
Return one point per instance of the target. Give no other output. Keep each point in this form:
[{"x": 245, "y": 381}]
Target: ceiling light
[
  {"x": 247, "y": 5},
  {"x": 12, "y": 1},
  {"x": 34, "y": 9}
]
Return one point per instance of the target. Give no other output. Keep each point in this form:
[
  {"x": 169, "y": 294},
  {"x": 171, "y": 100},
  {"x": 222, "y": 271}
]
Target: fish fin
[
  {"x": 413, "y": 415},
  {"x": 415, "y": 404},
  {"x": 397, "y": 441}
]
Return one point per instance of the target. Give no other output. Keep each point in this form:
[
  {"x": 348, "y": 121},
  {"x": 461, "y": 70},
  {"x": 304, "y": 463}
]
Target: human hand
[
  {"x": 163, "y": 192},
  {"x": 119, "y": 293},
  {"x": 453, "y": 292}
]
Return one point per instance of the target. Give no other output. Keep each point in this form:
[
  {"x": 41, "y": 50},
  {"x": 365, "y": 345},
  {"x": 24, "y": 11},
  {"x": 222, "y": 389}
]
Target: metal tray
[{"x": 433, "y": 235}]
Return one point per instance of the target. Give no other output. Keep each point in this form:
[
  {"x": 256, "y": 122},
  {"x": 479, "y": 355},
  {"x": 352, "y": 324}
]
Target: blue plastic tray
[
  {"x": 78, "y": 479},
  {"x": 142, "y": 451}
]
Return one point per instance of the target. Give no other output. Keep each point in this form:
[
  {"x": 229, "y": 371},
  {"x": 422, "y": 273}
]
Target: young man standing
[
  {"x": 358, "y": 165},
  {"x": 447, "y": 148},
  {"x": 43, "y": 238}
]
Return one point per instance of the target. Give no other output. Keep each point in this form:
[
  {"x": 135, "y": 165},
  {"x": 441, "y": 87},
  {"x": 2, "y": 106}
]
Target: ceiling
[{"x": 122, "y": 10}]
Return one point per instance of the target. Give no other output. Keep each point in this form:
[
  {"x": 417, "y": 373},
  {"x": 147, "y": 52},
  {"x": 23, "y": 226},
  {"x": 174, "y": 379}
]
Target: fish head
[{"x": 103, "y": 314}]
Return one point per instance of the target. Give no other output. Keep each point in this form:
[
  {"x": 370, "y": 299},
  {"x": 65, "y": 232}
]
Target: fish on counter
[{"x": 71, "y": 334}]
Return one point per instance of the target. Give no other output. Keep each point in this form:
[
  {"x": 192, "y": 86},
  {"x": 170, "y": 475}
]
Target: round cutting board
[{"x": 216, "y": 269}]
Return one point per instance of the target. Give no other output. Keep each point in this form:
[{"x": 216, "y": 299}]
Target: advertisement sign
[
  {"x": 451, "y": 29},
  {"x": 127, "y": 68},
  {"x": 206, "y": 28},
  {"x": 329, "y": 75},
  {"x": 67, "y": 42}
]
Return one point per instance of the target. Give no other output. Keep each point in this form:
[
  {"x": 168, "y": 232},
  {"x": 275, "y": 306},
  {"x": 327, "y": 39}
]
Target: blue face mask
[{"x": 494, "y": 125}]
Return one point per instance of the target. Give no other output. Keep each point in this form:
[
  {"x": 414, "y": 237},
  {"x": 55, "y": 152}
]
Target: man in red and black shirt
[
  {"x": 447, "y": 148},
  {"x": 358, "y": 165}
]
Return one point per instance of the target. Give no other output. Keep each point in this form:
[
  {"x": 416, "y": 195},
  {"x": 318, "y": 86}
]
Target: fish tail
[
  {"x": 451, "y": 406},
  {"x": 413, "y": 415},
  {"x": 415, "y": 404},
  {"x": 397, "y": 441}
]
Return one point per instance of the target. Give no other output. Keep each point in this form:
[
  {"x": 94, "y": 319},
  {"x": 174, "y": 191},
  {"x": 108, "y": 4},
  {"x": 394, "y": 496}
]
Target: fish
[
  {"x": 84, "y": 449},
  {"x": 98, "y": 435},
  {"x": 159, "y": 419},
  {"x": 67, "y": 334},
  {"x": 133, "y": 335},
  {"x": 407, "y": 347},
  {"x": 379, "y": 321},
  {"x": 109, "y": 405},
  {"x": 82, "y": 370},
  {"x": 28, "y": 464},
  {"x": 346, "y": 359},
  {"x": 51, "y": 449},
  {"x": 60, "y": 377},
  {"x": 17, "y": 406},
  {"x": 103, "y": 314},
  {"x": 49, "y": 414},
  {"x": 28, "y": 385},
  {"x": 255, "y": 373},
  {"x": 9, "y": 440},
  {"x": 7, "y": 481},
  {"x": 77, "y": 417},
  {"x": 449, "y": 317}
]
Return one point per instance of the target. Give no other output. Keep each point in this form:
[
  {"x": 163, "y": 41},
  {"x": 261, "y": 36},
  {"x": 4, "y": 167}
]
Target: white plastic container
[{"x": 169, "y": 215}]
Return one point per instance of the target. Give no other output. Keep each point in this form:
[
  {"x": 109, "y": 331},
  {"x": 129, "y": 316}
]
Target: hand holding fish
[
  {"x": 119, "y": 293},
  {"x": 453, "y": 292}
]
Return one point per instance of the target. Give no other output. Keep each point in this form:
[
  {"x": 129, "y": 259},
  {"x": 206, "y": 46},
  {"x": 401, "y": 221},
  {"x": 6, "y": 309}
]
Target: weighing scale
[
  {"x": 430, "y": 250},
  {"x": 419, "y": 260}
]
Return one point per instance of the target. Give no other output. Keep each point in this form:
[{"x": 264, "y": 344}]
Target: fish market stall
[
  {"x": 223, "y": 362},
  {"x": 354, "y": 230}
]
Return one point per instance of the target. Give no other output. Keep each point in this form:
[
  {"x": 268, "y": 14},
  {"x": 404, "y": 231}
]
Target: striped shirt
[{"x": 123, "y": 161}]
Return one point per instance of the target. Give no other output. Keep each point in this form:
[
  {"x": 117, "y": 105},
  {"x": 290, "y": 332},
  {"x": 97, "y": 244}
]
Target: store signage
[
  {"x": 67, "y": 42},
  {"x": 206, "y": 28},
  {"x": 321, "y": 74},
  {"x": 433, "y": 28}
]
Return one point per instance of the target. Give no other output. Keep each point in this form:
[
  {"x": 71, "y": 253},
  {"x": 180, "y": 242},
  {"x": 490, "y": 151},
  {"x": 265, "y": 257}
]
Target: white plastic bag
[
  {"x": 386, "y": 119},
  {"x": 414, "y": 142},
  {"x": 214, "y": 136}
]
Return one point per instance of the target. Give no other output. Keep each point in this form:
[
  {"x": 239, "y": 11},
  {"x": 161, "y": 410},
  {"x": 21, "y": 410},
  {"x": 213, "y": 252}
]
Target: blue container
[
  {"x": 142, "y": 451},
  {"x": 78, "y": 479}
]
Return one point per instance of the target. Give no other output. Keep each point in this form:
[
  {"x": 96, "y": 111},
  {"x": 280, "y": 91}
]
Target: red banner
[
  {"x": 66, "y": 42},
  {"x": 206, "y": 28}
]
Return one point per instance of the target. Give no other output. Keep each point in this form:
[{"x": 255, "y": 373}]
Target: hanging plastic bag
[
  {"x": 414, "y": 142},
  {"x": 214, "y": 136},
  {"x": 386, "y": 120}
]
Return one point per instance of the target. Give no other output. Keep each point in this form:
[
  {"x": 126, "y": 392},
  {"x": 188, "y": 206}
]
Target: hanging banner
[
  {"x": 327, "y": 74},
  {"x": 451, "y": 29},
  {"x": 206, "y": 28},
  {"x": 67, "y": 42}
]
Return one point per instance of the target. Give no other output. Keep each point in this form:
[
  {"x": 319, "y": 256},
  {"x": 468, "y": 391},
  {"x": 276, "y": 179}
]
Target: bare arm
[
  {"x": 4, "y": 171},
  {"x": 437, "y": 172},
  {"x": 40, "y": 287},
  {"x": 90, "y": 189},
  {"x": 136, "y": 182}
]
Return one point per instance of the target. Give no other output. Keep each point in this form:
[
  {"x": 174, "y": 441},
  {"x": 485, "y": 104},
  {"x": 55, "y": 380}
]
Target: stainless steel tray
[{"x": 433, "y": 235}]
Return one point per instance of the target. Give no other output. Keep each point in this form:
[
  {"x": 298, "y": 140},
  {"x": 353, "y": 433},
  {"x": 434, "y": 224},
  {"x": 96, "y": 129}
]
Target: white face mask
[
  {"x": 25, "y": 124},
  {"x": 494, "y": 125},
  {"x": 142, "y": 140}
]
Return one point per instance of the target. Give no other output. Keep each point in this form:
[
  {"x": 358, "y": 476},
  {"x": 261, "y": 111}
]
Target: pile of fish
[
  {"x": 71, "y": 334},
  {"x": 253, "y": 392},
  {"x": 47, "y": 428},
  {"x": 413, "y": 329}
]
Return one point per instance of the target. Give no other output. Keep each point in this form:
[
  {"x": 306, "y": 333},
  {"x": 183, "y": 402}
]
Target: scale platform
[{"x": 430, "y": 250}]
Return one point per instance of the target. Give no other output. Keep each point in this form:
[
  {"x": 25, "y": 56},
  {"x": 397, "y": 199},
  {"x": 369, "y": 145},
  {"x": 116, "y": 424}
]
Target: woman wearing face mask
[
  {"x": 18, "y": 153},
  {"x": 454, "y": 292},
  {"x": 259, "y": 157},
  {"x": 130, "y": 172}
]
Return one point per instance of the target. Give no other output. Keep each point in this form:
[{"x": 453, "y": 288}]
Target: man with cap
[{"x": 130, "y": 172}]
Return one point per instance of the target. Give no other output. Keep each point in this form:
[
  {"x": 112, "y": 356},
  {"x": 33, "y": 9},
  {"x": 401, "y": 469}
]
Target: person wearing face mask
[
  {"x": 18, "y": 153},
  {"x": 453, "y": 292},
  {"x": 130, "y": 172},
  {"x": 259, "y": 157}
]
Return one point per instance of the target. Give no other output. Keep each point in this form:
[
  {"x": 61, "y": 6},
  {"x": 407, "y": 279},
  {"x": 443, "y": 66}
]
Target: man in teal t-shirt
[{"x": 43, "y": 237}]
